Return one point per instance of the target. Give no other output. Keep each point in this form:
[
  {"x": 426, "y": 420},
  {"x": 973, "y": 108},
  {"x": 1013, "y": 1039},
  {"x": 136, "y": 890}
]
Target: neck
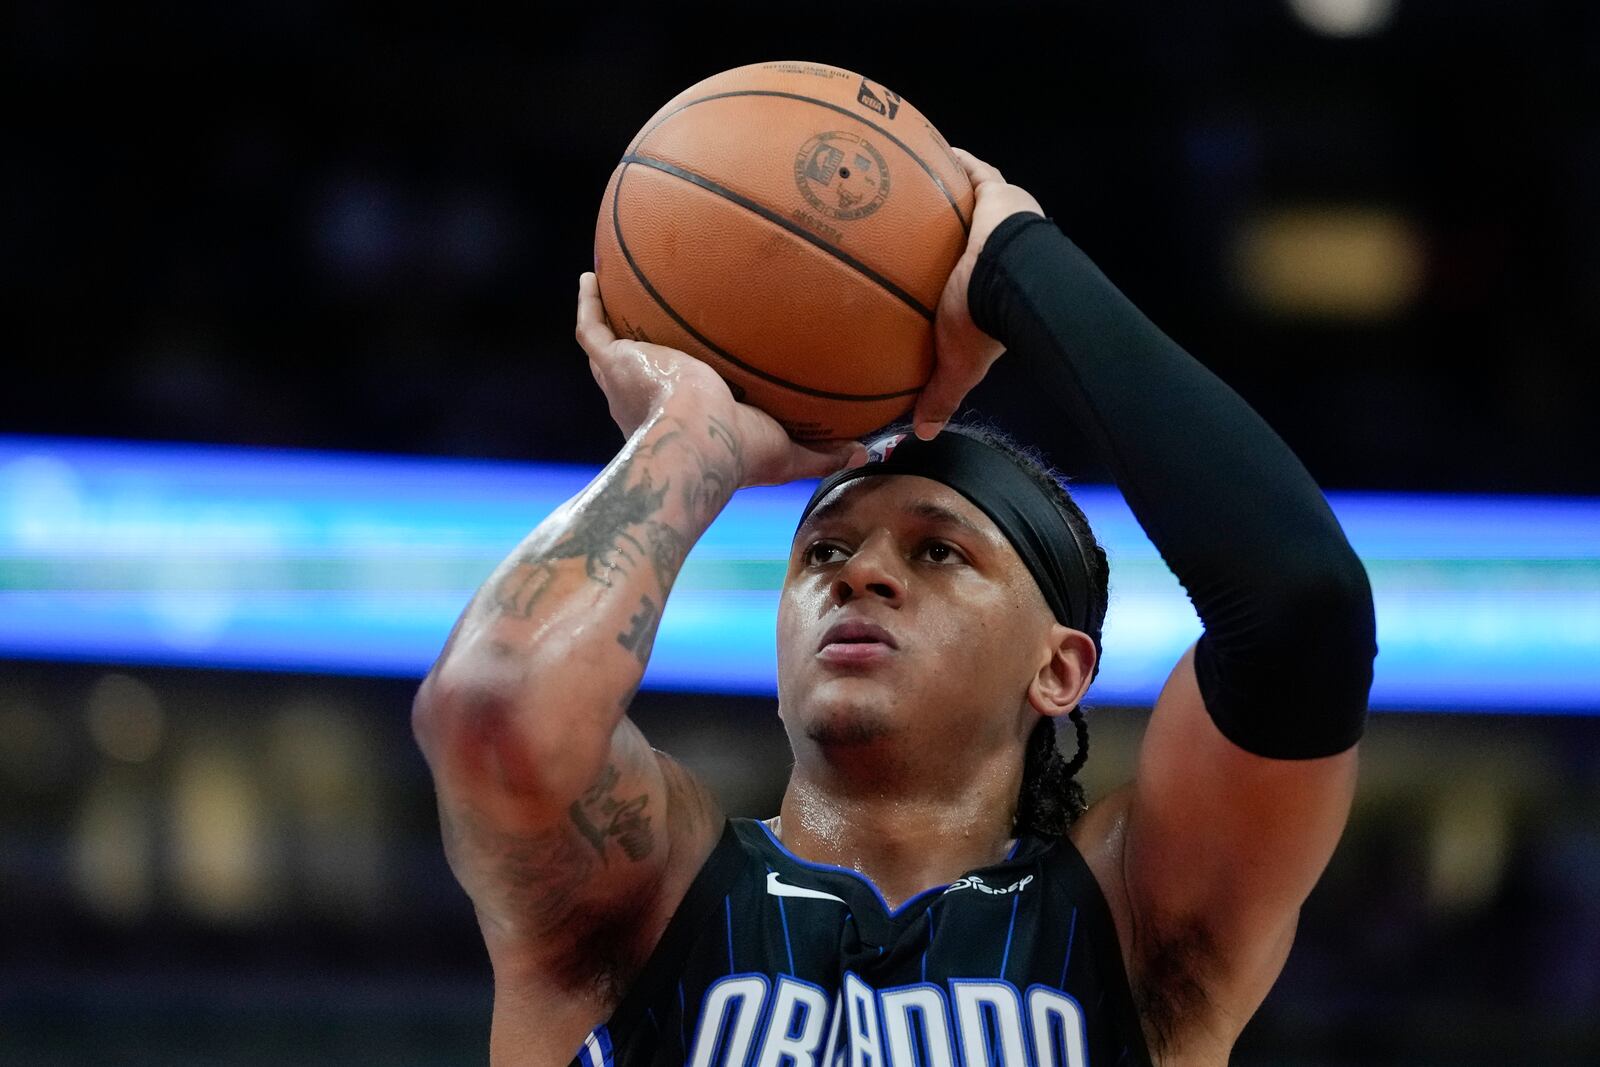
[{"x": 903, "y": 843}]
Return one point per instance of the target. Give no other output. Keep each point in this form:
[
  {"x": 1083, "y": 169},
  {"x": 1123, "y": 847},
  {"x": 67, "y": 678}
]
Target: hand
[
  {"x": 964, "y": 353},
  {"x": 640, "y": 380}
]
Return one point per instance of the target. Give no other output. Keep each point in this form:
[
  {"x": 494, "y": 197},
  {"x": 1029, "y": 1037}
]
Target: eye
[
  {"x": 822, "y": 553},
  {"x": 941, "y": 552}
]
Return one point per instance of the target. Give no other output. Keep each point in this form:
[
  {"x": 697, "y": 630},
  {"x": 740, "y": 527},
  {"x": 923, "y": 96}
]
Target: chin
[
  {"x": 848, "y": 724},
  {"x": 845, "y": 731}
]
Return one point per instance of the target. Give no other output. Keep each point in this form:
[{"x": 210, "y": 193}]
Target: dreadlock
[{"x": 1051, "y": 798}]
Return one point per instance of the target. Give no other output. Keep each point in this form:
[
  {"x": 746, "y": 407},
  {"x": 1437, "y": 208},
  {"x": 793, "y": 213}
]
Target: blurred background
[{"x": 295, "y": 226}]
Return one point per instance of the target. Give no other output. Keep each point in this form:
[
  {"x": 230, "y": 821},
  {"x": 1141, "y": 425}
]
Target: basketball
[{"x": 791, "y": 224}]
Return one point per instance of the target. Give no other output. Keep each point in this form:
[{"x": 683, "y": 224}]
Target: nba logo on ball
[{"x": 886, "y": 106}]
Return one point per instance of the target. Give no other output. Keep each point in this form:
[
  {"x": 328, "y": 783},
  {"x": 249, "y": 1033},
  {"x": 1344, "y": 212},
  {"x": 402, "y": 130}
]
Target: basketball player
[{"x": 929, "y": 893}]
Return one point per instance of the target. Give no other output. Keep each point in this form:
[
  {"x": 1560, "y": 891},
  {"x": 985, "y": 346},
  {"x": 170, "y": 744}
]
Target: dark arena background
[{"x": 289, "y": 367}]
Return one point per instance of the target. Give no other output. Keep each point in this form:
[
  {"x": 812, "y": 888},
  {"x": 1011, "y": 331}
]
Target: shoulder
[{"x": 1099, "y": 835}]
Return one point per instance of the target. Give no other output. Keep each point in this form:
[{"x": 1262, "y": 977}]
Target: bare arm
[
  {"x": 1247, "y": 769},
  {"x": 1221, "y": 850},
  {"x": 573, "y": 838},
  {"x": 522, "y": 717},
  {"x": 1207, "y": 858}
]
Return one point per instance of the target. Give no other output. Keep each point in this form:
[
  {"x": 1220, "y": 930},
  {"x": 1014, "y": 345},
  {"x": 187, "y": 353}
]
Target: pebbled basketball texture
[{"x": 792, "y": 224}]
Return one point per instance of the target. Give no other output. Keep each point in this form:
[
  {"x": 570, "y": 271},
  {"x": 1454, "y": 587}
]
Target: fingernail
[{"x": 929, "y": 429}]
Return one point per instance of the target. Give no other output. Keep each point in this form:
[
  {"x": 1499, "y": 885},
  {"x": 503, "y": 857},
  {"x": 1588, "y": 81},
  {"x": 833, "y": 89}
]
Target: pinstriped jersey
[{"x": 774, "y": 961}]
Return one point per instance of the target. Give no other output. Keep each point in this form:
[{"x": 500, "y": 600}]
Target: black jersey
[{"x": 774, "y": 961}]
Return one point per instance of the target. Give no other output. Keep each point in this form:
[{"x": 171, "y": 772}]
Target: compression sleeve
[{"x": 1285, "y": 662}]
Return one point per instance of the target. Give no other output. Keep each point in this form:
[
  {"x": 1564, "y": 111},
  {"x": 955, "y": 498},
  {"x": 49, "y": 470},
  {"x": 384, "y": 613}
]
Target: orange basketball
[{"x": 792, "y": 224}]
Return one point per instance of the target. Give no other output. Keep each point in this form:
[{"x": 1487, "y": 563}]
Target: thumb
[
  {"x": 941, "y": 396},
  {"x": 961, "y": 356},
  {"x": 821, "y": 460}
]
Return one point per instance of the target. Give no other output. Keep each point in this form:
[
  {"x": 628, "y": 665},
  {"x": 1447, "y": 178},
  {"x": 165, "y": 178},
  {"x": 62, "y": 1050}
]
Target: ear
[{"x": 1061, "y": 681}]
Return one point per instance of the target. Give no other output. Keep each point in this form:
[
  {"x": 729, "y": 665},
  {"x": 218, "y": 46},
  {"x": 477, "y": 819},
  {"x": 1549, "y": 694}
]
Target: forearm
[
  {"x": 553, "y": 646},
  {"x": 1285, "y": 602}
]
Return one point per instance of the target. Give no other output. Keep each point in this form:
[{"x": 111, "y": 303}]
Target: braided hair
[{"x": 1051, "y": 798}]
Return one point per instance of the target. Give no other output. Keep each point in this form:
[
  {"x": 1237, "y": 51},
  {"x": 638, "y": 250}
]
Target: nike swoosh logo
[{"x": 784, "y": 889}]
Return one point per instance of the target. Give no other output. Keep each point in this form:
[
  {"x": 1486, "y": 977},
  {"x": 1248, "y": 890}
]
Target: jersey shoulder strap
[{"x": 1071, "y": 872}]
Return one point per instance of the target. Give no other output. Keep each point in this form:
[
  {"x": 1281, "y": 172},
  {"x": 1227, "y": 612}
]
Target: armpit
[
  {"x": 600, "y": 949},
  {"x": 1169, "y": 989}
]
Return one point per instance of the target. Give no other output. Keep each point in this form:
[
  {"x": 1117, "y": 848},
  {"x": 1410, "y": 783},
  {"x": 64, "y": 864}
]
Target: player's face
[{"x": 906, "y": 609}]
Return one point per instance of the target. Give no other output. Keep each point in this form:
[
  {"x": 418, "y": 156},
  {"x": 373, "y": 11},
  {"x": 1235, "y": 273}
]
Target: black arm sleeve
[{"x": 1285, "y": 663}]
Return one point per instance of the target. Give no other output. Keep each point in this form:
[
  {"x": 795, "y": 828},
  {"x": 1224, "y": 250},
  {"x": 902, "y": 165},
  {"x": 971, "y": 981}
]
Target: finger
[
  {"x": 940, "y": 397},
  {"x": 977, "y": 170},
  {"x": 593, "y": 332}
]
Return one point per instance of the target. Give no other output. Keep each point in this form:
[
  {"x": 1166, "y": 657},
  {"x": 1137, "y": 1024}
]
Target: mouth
[{"x": 856, "y": 641}]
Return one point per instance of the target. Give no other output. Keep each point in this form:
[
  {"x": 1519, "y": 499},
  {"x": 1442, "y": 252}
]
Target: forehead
[{"x": 881, "y": 496}]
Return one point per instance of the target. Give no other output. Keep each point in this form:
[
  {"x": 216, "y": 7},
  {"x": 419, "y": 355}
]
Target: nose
[{"x": 871, "y": 571}]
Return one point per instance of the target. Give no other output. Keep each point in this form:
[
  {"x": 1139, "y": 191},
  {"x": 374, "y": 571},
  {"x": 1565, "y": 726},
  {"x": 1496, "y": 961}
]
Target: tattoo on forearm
[
  {"x": 520, "y": 589},
  {"x": 599, "y": 536},
  {"x": 640, "y": 635},
  {"x": 718, "y": 431},
  {"x": 599, "y": 533},
  {"x": 599, "y": 816},
  {"x": 617, "y": 527},
  {"x": 668, "y": 548},
  {"x": 703, "y": 496},
  {"x": 718, "y": 478},
  {"x": 664, "y": 440}
]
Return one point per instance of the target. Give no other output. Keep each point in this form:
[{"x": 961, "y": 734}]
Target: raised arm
[
  {"x": 573, "y": 838},
  {"x": 1247, "y": 770}
]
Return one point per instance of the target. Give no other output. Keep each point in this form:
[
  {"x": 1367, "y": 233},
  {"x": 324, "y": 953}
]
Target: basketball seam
[
  {"x": 778, "y": 220},
  {"x": 966, "y": 225},
  {"x": 721, "y": 353}
]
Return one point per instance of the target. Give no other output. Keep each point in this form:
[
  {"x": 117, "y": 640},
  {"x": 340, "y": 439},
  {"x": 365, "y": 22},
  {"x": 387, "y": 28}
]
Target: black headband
[{"x": 1018, "y": 505}]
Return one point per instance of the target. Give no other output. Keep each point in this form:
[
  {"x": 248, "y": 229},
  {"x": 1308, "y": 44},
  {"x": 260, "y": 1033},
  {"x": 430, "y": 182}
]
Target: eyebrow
[
  {"x": 927, "y": 509},
  {"x": 923, "y": 509}
]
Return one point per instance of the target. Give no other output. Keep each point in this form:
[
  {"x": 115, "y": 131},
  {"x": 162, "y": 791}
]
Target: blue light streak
[{"x": 301, "y": 561}]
